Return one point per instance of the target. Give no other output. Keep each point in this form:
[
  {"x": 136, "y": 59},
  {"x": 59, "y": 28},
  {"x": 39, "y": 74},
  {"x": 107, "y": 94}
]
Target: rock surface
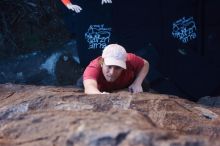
[{"x": 58, "y": 116}]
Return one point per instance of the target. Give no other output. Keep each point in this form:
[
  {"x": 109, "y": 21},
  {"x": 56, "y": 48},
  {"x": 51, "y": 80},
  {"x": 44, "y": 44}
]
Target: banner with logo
[{"x": 94, "y": 29}]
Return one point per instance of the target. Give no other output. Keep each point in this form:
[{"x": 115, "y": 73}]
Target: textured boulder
[{"x": 55, "y": 116}]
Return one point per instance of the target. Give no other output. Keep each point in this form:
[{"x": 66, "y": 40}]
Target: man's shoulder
[
  {"x": 133, "y": 61},
  {"x": 131, "y": 57},
  {"x": 96, "y": 62},
  {"x": 93, "y": 70}
]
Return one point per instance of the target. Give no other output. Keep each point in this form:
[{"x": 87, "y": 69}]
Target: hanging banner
[{"x": 94, "y": 29}]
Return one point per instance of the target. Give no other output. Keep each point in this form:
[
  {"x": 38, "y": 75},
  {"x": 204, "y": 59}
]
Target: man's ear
[{"x": 101, "y": 61}]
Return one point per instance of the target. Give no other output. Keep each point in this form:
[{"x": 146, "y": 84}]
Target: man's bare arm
[
  {"x": 91, "y": 86},
  {"x": 136, "y": 86}
]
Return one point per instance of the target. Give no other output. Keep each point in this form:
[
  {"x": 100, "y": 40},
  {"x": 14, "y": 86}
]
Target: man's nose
[{"x": 112, "y": 70}]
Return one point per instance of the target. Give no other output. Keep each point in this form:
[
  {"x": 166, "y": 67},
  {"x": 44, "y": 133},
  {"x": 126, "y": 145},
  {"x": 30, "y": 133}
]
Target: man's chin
[{"x": 110, "y": 80}]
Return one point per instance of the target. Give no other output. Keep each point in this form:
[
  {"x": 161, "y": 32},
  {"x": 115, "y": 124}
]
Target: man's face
[{"x": 111, "y": 72}]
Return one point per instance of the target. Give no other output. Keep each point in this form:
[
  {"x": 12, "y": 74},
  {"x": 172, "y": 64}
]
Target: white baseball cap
[{"x": 115, "y": 54}]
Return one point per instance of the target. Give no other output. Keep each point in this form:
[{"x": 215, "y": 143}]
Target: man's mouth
[{"x": 110, "y": 78}]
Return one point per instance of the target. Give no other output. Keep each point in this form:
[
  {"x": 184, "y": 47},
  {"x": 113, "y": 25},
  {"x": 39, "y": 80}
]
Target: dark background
[{"x": 143, "y": 27}]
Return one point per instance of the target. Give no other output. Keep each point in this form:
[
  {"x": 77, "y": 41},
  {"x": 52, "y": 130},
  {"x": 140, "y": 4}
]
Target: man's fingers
[
  {"x": 130, "y": 90},
  {"x": 135, "y": 90},
  {"x": 104, "y": 93}
]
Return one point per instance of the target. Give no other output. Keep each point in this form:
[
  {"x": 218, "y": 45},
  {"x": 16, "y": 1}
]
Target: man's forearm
[
  {"x": 90, "y": 86},
  {"x": 142, "y": 74}
]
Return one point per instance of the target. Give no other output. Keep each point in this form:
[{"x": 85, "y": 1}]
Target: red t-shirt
[{"x": 94, "y": 71}]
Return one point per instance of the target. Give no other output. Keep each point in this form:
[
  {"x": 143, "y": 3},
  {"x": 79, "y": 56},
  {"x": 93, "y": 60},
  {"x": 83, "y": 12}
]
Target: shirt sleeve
[
  {"x": 65, "y": 2},
  {"x": 92, "y": 71},
  {"x": 135, "y": 62}
]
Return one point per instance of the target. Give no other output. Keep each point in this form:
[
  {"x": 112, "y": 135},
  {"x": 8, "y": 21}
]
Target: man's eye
[
  {"x": 109, "y": 67},
  {"x": 114, "y": 67},
  {"x": 117, "y": 67}
]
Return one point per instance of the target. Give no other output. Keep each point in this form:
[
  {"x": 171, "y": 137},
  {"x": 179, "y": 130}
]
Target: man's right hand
[{"x": 75, "y": 8}]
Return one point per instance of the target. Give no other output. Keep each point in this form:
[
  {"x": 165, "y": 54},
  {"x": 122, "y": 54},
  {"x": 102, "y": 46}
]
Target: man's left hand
[{"x": 133, "y": 88}]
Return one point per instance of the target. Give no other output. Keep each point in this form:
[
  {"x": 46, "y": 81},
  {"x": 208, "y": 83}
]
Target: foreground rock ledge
[{"x": 65, "y": 116}]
